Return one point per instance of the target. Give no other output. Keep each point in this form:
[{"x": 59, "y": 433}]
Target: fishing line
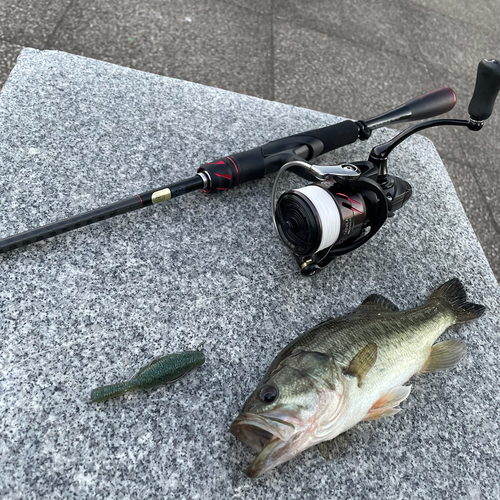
[{"x": 328, "y": 214}]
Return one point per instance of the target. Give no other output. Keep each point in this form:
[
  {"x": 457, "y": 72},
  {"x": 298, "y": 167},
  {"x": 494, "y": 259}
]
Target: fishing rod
[
  {"x": 231, "y": 171},
  {"x": 346, "y": 204}
]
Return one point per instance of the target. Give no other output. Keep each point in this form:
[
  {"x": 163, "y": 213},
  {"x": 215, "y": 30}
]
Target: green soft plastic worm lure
[{"x": 164, "y": 370}]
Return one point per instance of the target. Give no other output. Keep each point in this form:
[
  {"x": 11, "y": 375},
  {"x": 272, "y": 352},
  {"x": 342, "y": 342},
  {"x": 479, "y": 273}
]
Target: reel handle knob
[
  {"x": 431, "y": 104},
  {"x": 486, "y": 90}
]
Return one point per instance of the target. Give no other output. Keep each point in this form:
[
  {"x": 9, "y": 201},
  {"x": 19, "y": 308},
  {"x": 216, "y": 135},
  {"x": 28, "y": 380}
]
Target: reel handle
[{"x": 486, "y": 90}]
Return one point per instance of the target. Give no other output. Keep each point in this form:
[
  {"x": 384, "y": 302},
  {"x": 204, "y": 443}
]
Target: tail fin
[
  {"x": 452, "y": 294},
  {"x": 109, "y": 391}
]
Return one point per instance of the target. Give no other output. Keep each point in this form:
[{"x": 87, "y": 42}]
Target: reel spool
[
  {"x": 316, "y": 217},
  {"x": 331, "y": 217}
]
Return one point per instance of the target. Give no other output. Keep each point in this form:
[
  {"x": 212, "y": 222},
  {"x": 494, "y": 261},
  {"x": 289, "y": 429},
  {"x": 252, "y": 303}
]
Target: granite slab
[{"x": 92, "y": 306}]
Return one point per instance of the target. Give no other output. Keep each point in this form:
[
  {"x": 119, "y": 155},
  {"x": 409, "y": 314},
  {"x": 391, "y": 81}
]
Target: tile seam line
[
  {"x": 48, "y": 42},
  {"x": 352, "y": 41}
]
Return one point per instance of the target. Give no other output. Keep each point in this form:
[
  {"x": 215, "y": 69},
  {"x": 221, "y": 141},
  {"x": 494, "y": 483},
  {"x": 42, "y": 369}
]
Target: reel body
[{"x": 337, "y": 213}]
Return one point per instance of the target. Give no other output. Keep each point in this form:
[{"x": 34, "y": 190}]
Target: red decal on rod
[
  {"x": 218, "y": 163},
  {"x": 222, "y": 175},
  {"x": 142, "y": 204},
  {"x": 237, "y": 172}
]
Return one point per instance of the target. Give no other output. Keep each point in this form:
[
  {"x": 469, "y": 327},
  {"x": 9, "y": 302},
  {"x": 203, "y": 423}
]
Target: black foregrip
[
  {"x": 333, "y": 136},
  {"x": 486, "y": 90},
  {"x": 236, "y": 169}
]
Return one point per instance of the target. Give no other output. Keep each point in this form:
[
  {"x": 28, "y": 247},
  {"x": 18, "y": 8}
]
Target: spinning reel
[{"x": 348, "y": 203}]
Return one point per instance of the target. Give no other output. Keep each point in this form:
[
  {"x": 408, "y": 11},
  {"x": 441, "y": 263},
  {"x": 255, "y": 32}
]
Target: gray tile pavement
[
  {"x": 374, "y": 24},
  {"x": 262, "y": 6},
  {"x": 316, "y": 70},
  {"x": 30, "y": 22},
  {"x": 8, "y": 55},
  {"x": 353, "y": 58},
  {"x": 207, "y": 41},
  {"x": 483, "y": 13},
  {"x": 447, "y": 42}
]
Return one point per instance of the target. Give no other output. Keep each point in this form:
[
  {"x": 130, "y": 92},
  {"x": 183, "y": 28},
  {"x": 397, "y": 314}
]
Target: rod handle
[{"x": 230, "y": 171}]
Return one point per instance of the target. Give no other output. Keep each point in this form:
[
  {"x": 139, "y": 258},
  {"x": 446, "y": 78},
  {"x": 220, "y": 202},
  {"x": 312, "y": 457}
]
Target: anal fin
[
  {"x": 444, "y": 355},
  {"x": 386, "y": 405}
]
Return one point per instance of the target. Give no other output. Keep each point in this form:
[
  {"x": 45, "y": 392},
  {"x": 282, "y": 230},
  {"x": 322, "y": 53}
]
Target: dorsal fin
[{"x": 376, "y": 302}]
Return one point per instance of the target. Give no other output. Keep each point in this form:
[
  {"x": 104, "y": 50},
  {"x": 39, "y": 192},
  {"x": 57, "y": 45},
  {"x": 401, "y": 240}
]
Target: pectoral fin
[
  {"x": 444, "y": 355},
  {"x": 335, "y": 448},
  {"x": 386, "y": 405},
  {"x": 362, "y": 362}
]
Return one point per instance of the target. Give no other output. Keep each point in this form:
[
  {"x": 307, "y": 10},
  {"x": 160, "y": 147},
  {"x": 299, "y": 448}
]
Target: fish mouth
[{"x": 268, "y": 435}]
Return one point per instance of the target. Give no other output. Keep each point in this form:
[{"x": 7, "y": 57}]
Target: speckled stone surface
[{"x": 92, "y": 306}]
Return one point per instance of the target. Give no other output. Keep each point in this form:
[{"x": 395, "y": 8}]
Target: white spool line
[{"x": 328, "y": 212}]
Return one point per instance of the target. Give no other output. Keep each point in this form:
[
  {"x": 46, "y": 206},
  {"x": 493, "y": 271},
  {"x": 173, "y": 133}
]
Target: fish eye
[{"x": 268, "y": 394}]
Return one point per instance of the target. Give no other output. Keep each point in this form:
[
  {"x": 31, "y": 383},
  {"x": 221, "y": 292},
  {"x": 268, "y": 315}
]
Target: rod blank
[{"x": 136, "y": 202}]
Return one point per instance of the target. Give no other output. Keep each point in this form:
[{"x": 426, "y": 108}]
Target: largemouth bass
[
  {"x": 164, "y": 370},
  {"x": 346, "y": 370}
]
